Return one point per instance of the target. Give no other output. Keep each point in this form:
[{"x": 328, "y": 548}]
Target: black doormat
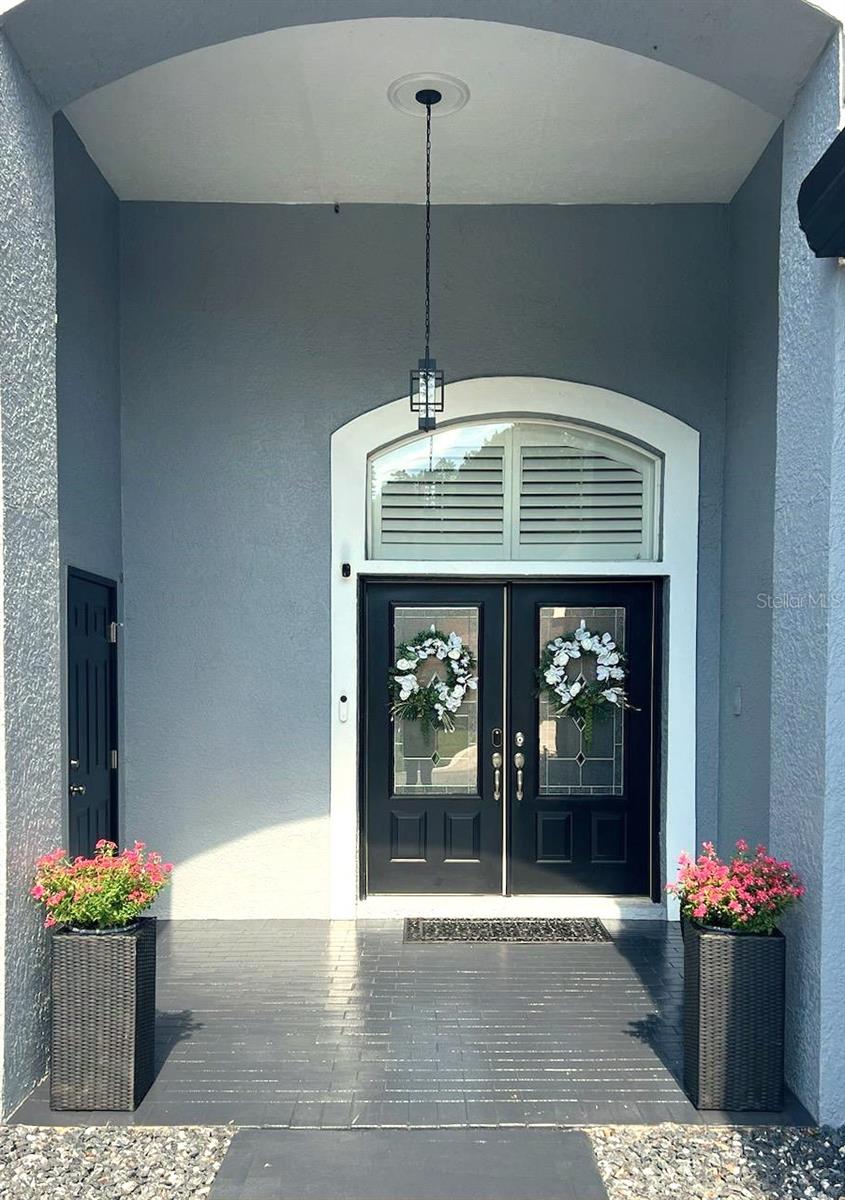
[{"x": 504, "y": 929}]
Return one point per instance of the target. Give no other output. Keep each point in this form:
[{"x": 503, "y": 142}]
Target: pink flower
[
  {"x": 49, "y": 922},
  {"x": 744, "y": 893},
  {"x": 101, "y": 889}
]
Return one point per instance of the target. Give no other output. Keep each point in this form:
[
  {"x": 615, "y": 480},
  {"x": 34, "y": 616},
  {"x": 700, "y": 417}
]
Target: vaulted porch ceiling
[{"x": 300, "y": 115}]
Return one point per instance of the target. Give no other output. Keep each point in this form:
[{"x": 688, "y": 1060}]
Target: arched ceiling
[
  {"x": 301, "y": 115},
  {"x": 760, "y": 49}
]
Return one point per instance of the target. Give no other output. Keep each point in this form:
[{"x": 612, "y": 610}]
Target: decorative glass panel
[
  {"x": 433, "y": 762},
  {"x": 569, "y": 766}
]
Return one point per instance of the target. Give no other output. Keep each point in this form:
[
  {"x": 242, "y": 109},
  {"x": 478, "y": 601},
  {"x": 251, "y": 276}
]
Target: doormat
[{"x": 527, "y": 929}]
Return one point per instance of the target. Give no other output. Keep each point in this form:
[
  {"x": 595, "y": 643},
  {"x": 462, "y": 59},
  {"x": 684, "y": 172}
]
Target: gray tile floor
[{"x": 319, "y": 1024}]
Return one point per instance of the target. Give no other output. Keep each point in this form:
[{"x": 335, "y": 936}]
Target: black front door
[
  {"x": 517, "y": 798},
  {"x": 581, "y": 812},
  {"x": 433, "y": 815},
  {"x": 92, "y": 712}
]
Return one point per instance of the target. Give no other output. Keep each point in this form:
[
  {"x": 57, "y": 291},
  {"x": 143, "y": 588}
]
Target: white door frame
[{"x": 496, "y": 399}]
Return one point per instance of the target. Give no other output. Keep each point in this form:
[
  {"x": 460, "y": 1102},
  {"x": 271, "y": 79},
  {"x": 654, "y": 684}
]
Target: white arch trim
[{"x": 496, "y": 399}]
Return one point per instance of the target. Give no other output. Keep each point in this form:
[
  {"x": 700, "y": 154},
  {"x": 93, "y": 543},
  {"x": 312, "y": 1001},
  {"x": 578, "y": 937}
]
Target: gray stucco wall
[
  {"x": 250, "y": 333},
  {"x": 87, "y": 359},
  {"x": 747, "y": 519},
  {"x": 30, "y": 780},
  {"x": 808, "y": 648}
]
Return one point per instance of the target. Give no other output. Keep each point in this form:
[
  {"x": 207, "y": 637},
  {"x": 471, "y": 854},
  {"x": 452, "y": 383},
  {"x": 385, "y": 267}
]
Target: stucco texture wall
[
  {"x": 748, "y": 513},
  {"x": 87, "y": 359},
  {"x": 808, "y": 644},
  {"x": 31, "y": 770},
  {"x": 250, "y": 333}
]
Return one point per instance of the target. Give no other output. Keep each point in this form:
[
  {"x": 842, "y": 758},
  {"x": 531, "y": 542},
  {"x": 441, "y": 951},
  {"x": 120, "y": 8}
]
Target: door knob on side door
[
  {"x": 77, "y": 789},
  {"x": 519, "y": 763}
]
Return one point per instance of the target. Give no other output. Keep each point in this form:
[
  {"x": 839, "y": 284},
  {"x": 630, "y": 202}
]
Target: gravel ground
[
  {"x": 637, "y": 1163},
  {"x": 718, "y": 1163},
  {"x": 97, "y": 1162}
]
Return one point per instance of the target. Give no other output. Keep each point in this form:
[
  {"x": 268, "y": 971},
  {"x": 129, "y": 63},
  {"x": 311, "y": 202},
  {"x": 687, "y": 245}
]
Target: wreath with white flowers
[
  {"x": 573, "y": 694},
  {"x": 434, "y": 703}
]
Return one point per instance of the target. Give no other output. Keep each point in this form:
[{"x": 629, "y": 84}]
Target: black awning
[{"x": 821, "y": 203}]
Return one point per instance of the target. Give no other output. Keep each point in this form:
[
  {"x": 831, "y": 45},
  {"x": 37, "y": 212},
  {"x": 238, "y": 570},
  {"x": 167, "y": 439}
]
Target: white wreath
[
  {"x": 436, "y": 702},
  {"x": 557, "y": 682}
]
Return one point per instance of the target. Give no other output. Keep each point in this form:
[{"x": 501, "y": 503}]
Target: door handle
[
  {"x": 497, "y": 776},
  {"x": 77, "y": 789},
  {"x": 519, "y": 763}
]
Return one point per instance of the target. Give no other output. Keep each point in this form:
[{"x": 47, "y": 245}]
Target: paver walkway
[
  {"x": 387, "y": 1164},
  {"x": 342, "y": 1025}
]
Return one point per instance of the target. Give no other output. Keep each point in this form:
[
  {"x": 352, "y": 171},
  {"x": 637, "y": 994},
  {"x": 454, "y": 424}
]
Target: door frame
[
  {"x": 114, "y": 783},
  {"x": 502, "y": 398}
]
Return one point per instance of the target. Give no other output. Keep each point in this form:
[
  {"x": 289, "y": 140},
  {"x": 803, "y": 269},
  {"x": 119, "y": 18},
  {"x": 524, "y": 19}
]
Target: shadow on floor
[{"x": 173, "y": 1028}]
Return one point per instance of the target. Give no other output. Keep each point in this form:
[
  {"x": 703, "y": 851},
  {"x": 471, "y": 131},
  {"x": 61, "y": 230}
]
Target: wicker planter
[
  {"x": 733, "y": 1019},
  {"x": 103, "y": 1018}
]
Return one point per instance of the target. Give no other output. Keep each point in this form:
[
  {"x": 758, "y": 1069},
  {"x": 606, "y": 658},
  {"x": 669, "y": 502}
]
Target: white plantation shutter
[
  {"x": 576, "y": 498},
  {"x": 460, "y": 504},
  {"x": 526, "y": 490}
]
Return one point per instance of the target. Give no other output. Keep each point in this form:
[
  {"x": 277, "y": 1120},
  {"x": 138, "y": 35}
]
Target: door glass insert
[
  {"x": 569, "y": 764},
  {"x": 434, "y": 762}
]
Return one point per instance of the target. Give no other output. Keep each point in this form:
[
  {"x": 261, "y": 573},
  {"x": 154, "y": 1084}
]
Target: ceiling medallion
[{"x": 402, "y": 93}]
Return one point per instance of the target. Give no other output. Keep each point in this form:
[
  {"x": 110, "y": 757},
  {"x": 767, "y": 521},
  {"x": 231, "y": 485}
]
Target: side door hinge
[
  {"x": 113, "y": 633},
  {"x": 113, "y": 760}
]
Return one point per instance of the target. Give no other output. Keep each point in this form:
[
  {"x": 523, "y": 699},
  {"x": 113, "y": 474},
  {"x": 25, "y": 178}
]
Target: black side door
[
  {"x": 581, "y": 821},
  {"x": 433, "y": 800},
  {"x": 92, "y": 711}
]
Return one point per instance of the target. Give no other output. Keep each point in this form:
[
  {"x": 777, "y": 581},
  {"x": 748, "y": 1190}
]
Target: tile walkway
[{"x": 319, "y": 1024}]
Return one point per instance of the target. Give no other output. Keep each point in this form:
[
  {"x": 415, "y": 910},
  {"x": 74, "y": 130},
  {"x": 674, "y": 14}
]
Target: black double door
[
  {"x": 517, "y": 799},
  {"x": 91, "y": 712}
]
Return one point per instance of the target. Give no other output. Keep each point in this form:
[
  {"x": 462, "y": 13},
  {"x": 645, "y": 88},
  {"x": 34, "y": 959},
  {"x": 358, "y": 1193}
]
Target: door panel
[
  {"x": 583, "y": 824},
  {"x": 432, "y": 821},
  {"x": 92, "y": 714}
]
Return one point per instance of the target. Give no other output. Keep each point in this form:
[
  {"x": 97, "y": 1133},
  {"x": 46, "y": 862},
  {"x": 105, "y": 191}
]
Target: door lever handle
[
  {"x": 497, "y": 776},
  {"x": 519, "y": 763}
]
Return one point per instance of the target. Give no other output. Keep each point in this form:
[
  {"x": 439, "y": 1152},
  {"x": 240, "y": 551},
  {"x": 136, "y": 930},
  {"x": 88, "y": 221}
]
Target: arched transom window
[{"x": 514, "y": 490}]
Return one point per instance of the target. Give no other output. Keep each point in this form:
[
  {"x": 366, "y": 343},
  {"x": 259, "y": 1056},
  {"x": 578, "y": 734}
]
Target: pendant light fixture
[{"x": 427, "y": 398}]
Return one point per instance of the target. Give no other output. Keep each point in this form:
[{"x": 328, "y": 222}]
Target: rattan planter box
[
  {"x": 103, "y": 1018},
  {"x": 733, "y": 1019}
]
